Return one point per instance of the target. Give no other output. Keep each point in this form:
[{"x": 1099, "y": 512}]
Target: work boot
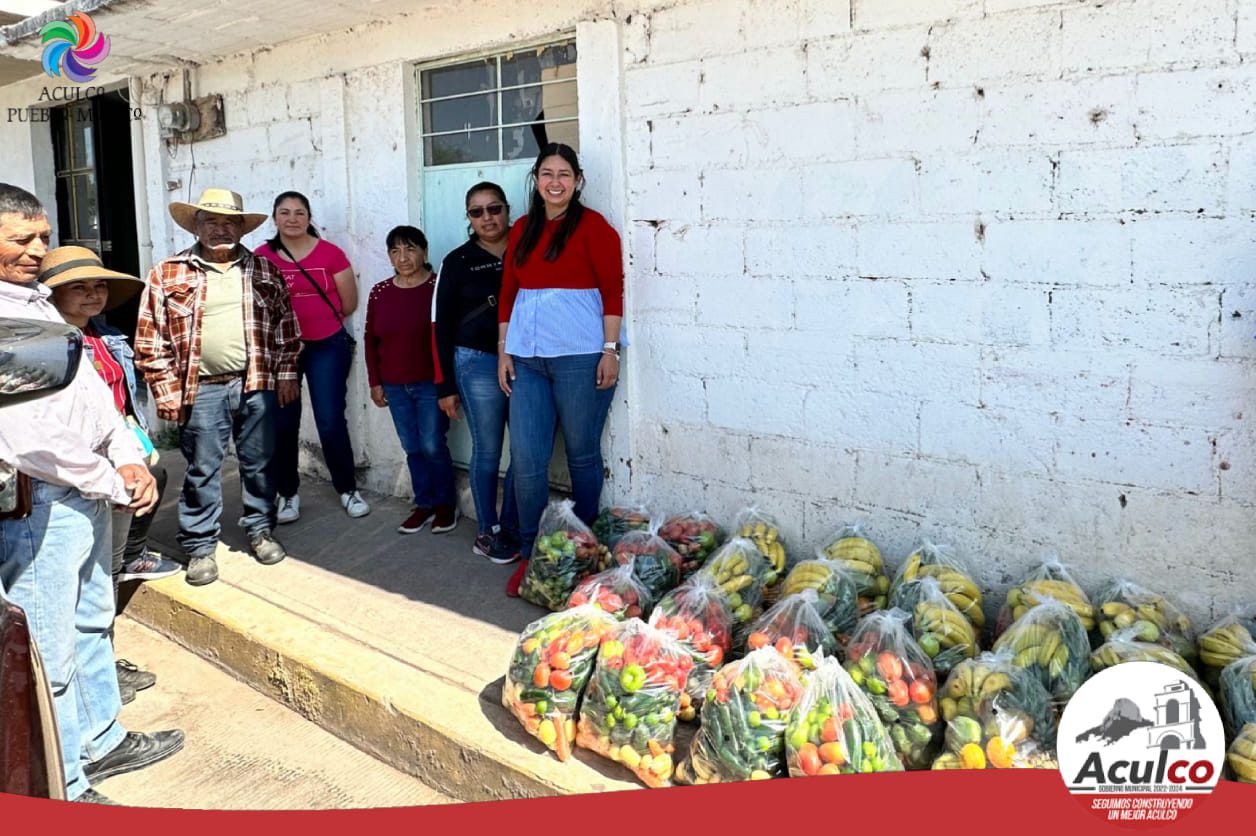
[
  {"x": 126, "y": 693},
  {"x": 202, "y": 570},
  {"x": 130, "y": 674},
  {"x": 136, "y": 751},
  {"x": 266, "y": 549}
]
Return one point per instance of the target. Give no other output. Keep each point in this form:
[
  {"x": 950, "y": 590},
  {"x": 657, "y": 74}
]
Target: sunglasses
[{"x": 493, "y": 209}]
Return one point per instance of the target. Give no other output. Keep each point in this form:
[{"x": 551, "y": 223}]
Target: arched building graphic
[{"x": 1177, "y": 719}]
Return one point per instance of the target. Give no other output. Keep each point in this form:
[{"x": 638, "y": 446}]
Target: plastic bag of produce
[
  {"x": 564, "y": 552},
  {"x": 740, "y": 572},
  {"x": 742, "y": 736},
  {"x": 942, "y": 631},
  {"x": 953, "y": 577},
  {"x": 1242, "y": 755},
  {"x": 549, "y": 670},
  {"x": 794, "y": 627},
  {"x": 836, "y": 598},
  {"x": 616, "y": 591},
  {"x": 655, "y": 563},
  {"x": 836, "y": 730},
  {"x": 1237, "y": 693},
  {"x": 989, "y": 700},
  {"x": 629, "y": 710},
  {"x": 851, "y": 547},
  {"x": 1051, "y": 580},
  {"x": 1227, "y": 641},
  {"x": 1124, "y": 604},
  {"x": 761, "y": 528},
  {"x": 617, "y": 520},
  {"x": 1127, "y": 646},
  {"x": 694, "y": 536},
  {"x": 898, "y": 678},
  {"x": 696, "y": 613},
  {"x": 1050, "y": 640}
]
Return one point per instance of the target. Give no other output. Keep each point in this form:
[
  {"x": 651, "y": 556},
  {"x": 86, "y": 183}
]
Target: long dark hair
[
  {"x": 309, "y": 230},
  {"x": 486, "y": 186},
  {"x": 535, "y": 223}
]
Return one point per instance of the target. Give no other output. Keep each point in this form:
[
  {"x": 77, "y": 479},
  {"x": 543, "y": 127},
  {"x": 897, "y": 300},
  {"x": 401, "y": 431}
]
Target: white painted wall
[{"x": 974, "y": 269}]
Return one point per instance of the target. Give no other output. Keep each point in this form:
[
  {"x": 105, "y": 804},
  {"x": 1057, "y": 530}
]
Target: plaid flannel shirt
[{"x": 168, "y": 333}]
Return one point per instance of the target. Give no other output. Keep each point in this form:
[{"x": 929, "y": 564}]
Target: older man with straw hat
[{"x": 217, "y": 342}]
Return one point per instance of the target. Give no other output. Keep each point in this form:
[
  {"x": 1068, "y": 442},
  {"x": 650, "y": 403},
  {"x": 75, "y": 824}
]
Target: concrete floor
[{"x": 243, "y": 751}]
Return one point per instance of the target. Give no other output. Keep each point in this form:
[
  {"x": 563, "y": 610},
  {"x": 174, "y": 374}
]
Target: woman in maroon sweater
[
  {"x": 401, "y": 369},
  {"x": 562, "y": 306}
]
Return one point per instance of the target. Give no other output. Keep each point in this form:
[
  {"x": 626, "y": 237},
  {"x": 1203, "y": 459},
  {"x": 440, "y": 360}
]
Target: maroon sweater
[{"x": 398, "y": 339}]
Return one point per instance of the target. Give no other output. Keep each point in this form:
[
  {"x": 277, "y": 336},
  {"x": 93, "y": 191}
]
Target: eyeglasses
[{"x": 493, "y": 209}]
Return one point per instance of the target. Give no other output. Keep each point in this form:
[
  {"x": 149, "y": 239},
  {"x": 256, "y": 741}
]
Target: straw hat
[
  {"x": 75, "y": 264},
  {"x": 218, "y": 202}
]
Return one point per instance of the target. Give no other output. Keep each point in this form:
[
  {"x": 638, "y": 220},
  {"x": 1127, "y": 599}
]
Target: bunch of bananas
[
  {"x": 1050, "y": 641},
  {"x": 1242, "y": 755},
  {"x": 1033, "y": 591},
  {"x": 1126, "y": 646},
  {"x": 836, "y": 598},
  {"x": 931, "y": 561},
  {"x": 767, "y": 538},
  {"x": 862, "y": 559},
  {"x": 943, "y": 633},
  {"x": 1002, "y": 709},
  {"x": 1125, "y": 605},
  {"x": 739, "y": 571},
  {"x": 1223, "y": 644}
]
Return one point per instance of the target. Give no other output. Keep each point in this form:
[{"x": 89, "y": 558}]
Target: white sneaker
[
  {"x": 354, "y": 504},
  {"x": 289, "y": 509}
]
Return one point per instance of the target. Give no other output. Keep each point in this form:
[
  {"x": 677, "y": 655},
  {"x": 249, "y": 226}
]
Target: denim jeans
[
  {"x": 55, "y": 565},
  {"x": 486, "y": 407},
  {"x": 324, "y": 365},
  {"x": 422, "y": 428},
  {"x": 223, "y": 411},
  {"x": 562, "y": 391},
  {"x": 130, "y": 533}
]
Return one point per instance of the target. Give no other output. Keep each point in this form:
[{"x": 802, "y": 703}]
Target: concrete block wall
[{"x": 974, "y": 270}]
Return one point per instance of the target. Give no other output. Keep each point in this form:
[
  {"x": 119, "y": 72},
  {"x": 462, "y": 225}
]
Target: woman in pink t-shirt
[{"x": 324, "y": 291}]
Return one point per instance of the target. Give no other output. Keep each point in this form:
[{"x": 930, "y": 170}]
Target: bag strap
[
  {"x": 491, "y": 302},
  {"x": 310, "y": 279}
]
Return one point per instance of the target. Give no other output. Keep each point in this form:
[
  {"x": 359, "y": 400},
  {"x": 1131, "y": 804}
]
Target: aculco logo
[{"x": 1143, "y": 741}]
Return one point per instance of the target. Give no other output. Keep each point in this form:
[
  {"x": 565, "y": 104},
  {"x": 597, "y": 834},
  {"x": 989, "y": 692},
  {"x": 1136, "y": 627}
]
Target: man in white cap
[
  {"x": 80, "y": 458},
  {"x": 217, "y": 342}
]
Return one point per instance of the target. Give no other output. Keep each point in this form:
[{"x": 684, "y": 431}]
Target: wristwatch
[{"x": 611, "y": 348}]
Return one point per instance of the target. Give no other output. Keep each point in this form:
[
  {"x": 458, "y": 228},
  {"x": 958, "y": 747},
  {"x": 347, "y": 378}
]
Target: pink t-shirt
[{"x": 323, "y": 263}]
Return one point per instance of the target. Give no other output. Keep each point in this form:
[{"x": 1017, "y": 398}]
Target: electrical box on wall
[{"x": 193, "y": 121}]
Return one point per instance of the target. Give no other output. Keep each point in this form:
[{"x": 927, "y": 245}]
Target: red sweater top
[
  {"x": 591, "y": 259},
  {"x": 397, "y": 342}
]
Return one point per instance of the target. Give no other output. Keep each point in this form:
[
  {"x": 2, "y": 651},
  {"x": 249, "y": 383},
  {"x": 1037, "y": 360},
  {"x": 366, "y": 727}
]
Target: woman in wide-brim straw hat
[
  {"x": 83, "y": 289},
  {"x": 215, "y": 202}
]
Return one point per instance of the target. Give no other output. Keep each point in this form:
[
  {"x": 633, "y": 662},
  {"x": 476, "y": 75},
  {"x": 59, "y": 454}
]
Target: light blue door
[{"x": 444, "y": 222}]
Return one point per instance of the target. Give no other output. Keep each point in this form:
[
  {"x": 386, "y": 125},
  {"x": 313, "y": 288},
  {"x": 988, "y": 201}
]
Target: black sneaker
[
  {"x": 90, "y": 796},
  {"x": 136, "y": 751},
  {"x": 496, "y": 548},
  {"x": 130, "y": 674},
  {"x": 267, "y": 549}
]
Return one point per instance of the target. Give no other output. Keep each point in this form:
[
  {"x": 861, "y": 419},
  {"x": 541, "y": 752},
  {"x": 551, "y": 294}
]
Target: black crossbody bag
[{"x": 352, "y": 342}]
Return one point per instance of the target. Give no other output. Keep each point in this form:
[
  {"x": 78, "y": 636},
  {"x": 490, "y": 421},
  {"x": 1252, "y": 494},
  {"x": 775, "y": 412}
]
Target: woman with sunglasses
[
  {"x": 558, "y": 343},
  {"x": 466, "y": 344}
]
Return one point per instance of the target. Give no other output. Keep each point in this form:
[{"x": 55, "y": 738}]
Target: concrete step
[{"x": 396, "y": 644}]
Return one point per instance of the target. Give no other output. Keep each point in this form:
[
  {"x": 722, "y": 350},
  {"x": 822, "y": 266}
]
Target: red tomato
[
  {"x": 560, "y": 660},
  {"x": 809, "y": 759},
  {"x": 921, "y": 692},
  {"x": 540, "y": 676},
  {"x": 560, "y": 680},
  {"x": 897, "y": 692},
  {"x": 831, "y": 730},
  {"x": 785, "y": 647},
  {"x": 757, "y": 640},
  {"x": 889, "y": 666}
]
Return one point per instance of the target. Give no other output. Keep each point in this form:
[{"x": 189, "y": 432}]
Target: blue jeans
[
  {"x": 223, "y": 411},
  {"x": 549, "y": 392},
  {"x": 486, "y": 407},
  {"x": 55, "y": 565},
  {"x": 422, "y": 427},
  {"x": 324, "y": 364}
]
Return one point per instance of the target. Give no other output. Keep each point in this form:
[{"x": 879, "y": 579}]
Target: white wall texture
[{"x": 977, "y": 270}]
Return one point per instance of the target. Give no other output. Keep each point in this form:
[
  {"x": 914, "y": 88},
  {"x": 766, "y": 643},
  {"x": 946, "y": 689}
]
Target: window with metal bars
[{"x": 500, "y": 107}]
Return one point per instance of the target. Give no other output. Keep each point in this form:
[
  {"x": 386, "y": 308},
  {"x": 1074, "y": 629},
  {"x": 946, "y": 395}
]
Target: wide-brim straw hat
[
  {"x": 217, "y": 202},
  {"x": 76, "y": 264}
]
